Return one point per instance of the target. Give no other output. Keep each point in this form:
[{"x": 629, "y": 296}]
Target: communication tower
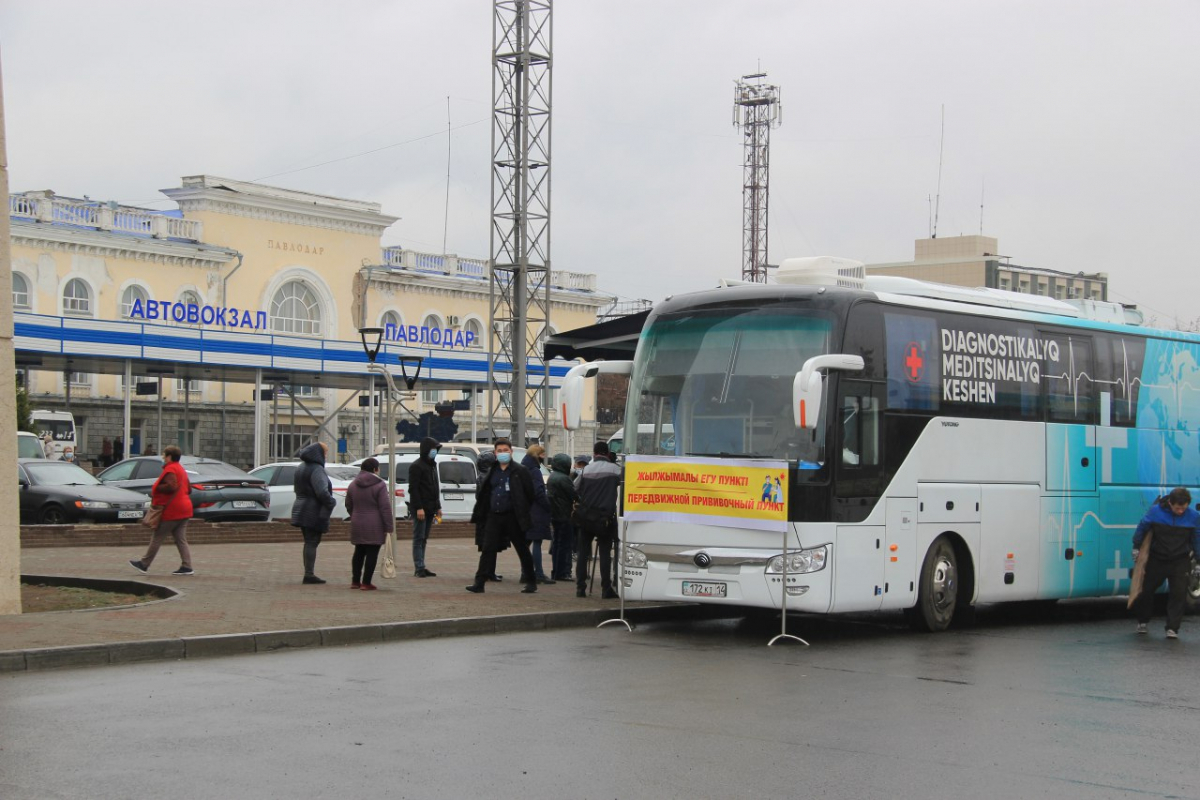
[
  {"x": 520, "y": 233},
  {"x": 756, "y": 109}
]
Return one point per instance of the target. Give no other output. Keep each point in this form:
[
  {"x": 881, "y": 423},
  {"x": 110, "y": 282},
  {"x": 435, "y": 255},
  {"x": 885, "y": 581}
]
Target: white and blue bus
[{"x": 944, "y": 446}]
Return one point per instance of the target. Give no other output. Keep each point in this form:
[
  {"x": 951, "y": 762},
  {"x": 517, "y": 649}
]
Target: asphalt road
[{"x": 1015, "y": 707}]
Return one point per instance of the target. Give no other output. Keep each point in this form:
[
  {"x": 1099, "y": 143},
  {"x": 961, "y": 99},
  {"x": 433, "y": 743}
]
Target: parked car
[
  {"x": 456, "y": 474},
  {"x": 469, "y": 449},
  {"x": 29, "y": 445},
  {"x": 220, "y": 492},
  {"x": 280, "y": 478},
  {"x": 58, "y": 492}
]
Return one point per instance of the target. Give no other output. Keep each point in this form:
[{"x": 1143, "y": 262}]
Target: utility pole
[
  {"x": 756, "y": 109},
  {"x": 520, "y": 233}
]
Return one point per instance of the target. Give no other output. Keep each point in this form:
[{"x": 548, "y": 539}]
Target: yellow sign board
[{"x": 736, "y": 493}]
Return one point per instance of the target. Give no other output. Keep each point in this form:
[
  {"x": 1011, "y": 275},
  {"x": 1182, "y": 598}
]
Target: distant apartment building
[{"x": 975, "y": 261}]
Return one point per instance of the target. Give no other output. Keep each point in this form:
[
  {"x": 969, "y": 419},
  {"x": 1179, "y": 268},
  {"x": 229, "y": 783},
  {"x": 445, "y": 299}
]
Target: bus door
[
  {"x": 1070, "y": 530},
  {"x": 860, "y": 553}
]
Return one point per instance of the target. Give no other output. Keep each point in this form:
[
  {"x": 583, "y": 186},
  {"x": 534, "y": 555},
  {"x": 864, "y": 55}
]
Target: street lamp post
[{"x": 372, "y": 341}]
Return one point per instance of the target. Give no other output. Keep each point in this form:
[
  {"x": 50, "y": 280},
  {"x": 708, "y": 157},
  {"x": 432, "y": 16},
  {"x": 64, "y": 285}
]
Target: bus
[
  {"x": 61, "y": 427},
  {"x": 919, "y": 447},
  {"x": 648, "y": 444}
]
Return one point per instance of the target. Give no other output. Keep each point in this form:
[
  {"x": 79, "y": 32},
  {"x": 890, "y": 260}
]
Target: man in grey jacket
[{"x": 596, "y": 518}]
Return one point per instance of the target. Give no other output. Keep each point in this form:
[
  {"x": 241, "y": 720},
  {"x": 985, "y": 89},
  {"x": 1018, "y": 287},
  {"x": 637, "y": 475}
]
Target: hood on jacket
[
  {"x": 313, "y": 454},
  {"x": 427, "y": 444},
  {"x": 529, "y": 462},
  {"x": 365, "y": 480},
  {"x": 561, "y": 463}
]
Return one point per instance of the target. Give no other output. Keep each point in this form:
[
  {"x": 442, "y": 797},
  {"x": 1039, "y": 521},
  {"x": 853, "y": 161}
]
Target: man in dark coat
[
  {"x": 425, "y": 500},
  {"x": 314, "y": 503},
  {"x": 561, "y": 492},
  {"x": 502, "y": 503},
  {"x": 596, "y": 518}
]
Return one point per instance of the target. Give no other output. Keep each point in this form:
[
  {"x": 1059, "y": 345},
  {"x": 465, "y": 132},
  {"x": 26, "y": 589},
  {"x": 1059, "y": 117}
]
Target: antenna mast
[
  {"x": 756, "y": 109},
  {"x": 520, "y": 257},
  {"x": 937, "y": 206}
]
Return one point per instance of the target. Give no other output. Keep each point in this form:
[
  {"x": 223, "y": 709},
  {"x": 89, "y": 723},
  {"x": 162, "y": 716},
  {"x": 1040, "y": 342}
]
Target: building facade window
[
  {"x": 295, "y": 309},
  {"x": 20, "y": 288},
  {"x": 82, "y": 380},
  {"x": 475, "y": 327},
  {"x": 390, "y": 318},
  {"x": 183, "y": 385},
  {"x": 129, "y": 296},
  {"x": 186, "y": 436},
  {"x": 77, "y": 299}
]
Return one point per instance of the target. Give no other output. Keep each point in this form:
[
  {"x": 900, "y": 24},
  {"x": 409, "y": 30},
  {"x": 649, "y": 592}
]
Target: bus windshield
[{"x": 719, "y": 383}]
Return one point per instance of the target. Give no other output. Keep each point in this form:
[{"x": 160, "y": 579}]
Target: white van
[
  {"x": 61, "y": 427},
  {"x": 646, "y": 443},
  {"x": 471, "y": 450},
  {"x": 29, "y": 445},
  {"x": 456, "y": 475}
]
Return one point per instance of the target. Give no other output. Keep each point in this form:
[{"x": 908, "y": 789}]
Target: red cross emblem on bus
[{"x": 914, "y": 364}]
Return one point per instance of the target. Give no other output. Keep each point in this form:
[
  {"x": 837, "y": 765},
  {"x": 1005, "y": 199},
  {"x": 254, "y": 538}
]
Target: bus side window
[
  {"x": 1069, "y": 380},
  {"x": 862, "y": 425}
]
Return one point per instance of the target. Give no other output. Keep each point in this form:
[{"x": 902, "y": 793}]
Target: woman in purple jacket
[{"x": 370, "y": 522}]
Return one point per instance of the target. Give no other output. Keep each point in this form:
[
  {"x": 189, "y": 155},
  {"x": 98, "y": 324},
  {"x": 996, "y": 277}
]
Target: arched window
[
  {"x": 432, "y": 396},
  {"x": 77, "y": 299},
  {"x": 294, "y": 309},
  {"x": 432, "y": 321},
  {"x": 190, "y": 298},
  {"x": 132, "y": 293},
  {"x": 390, "y": 318},
  {"x": 20, "y": 291},
  {"x": 476, "y": 327}
]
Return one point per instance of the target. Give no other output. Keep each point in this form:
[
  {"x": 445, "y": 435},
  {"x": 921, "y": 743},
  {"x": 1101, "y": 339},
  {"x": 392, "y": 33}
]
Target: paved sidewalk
[{"x": 246, "y": 589}]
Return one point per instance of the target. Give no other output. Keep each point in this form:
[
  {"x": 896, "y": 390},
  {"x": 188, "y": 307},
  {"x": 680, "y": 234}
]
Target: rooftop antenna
[
  {"x": 937, "y": 206},
  {"x": 446, "y": 214}
]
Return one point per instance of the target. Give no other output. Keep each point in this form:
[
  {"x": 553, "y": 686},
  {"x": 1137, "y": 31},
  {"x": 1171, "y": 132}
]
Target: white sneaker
[
  {"x": 1142, "y": 628},
  {"x": 1172, "y": 634}
]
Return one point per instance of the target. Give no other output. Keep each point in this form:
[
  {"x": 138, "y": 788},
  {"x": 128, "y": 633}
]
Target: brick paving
[{"x": 244, "y": 588}]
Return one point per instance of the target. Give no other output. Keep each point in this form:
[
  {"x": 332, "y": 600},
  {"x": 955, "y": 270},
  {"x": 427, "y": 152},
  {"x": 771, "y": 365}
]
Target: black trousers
[
  {"x": 362, "y": 563},
  {"x": 1175, "y": 573},
  {"x": 503, "y": 528},
  {"x": 604, "y": 543},
  {"x": 312, "y": 540}
]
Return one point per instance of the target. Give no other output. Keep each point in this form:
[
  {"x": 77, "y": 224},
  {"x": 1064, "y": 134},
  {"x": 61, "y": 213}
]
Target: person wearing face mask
[
  {"x": 425, "y": 500},
  {"x": 502, "y": 504}
]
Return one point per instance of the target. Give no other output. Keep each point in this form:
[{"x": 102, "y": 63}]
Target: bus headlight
[
  {"x": 800, "y": 562},
  {"x": 633, "y": 558}
]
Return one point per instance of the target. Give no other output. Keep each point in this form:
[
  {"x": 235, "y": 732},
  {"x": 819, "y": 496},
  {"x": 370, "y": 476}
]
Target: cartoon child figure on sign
[
  {"x": 767, "y": 488},
  {"x": 777, "y": 491}
]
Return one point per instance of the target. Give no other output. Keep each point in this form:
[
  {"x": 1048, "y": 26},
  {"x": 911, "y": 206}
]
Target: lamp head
[{"x": 372, "y": 340}]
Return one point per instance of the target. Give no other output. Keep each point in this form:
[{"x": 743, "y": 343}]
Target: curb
[{"x": 191, "y": 647}]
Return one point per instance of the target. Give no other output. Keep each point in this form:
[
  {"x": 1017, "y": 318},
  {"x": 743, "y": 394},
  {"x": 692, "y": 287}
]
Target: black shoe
[
  {"x": 495, "y": 578},
  {"x": 581, "y": 593},
  {"x": 425, "y": 573},
  {"x": 475, "y": 588},
  {"x": 184, "y": 571},
  {"x": 547, "y": 581},
  {"x": 609, "y": 594},
  {"x": 313, "y": 579},
  {"x": 530, "y": 588},
  {"x": 139, "y": 566}
]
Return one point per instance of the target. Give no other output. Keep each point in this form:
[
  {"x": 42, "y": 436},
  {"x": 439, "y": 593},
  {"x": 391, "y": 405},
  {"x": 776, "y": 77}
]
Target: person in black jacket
[
  {"x": 1174, "y": 529},
  {"x": 502, "y": 503},
  {"x": 314, "y": 503},
  {"x": 425, "y": 500},
  {"x": 596, "y": 519}
]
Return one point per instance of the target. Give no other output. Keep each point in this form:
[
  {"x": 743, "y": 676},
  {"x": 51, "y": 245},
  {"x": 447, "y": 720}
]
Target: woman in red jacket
[{"x": 171, "y": 491}]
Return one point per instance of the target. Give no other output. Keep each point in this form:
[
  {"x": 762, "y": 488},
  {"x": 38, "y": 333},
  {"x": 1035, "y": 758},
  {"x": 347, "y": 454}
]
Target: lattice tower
[{"x": 756, "y": 110}]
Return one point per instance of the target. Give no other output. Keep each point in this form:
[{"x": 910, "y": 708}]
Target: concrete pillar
[{"x": 10, "y": 528}]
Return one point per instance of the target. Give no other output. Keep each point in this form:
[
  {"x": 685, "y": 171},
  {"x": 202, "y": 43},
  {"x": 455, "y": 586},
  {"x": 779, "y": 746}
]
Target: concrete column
[{"x": 10, "y": 528}]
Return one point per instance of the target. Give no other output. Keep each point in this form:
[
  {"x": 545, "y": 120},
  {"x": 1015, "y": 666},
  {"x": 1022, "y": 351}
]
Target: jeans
[
  {"x": 1176, "y": 575},
  {"x": 177, "y": 528},
  {"x": 362, "y": 563},
  {"x": 561, "y": 547},
  {"x": 420, "y": 536}
]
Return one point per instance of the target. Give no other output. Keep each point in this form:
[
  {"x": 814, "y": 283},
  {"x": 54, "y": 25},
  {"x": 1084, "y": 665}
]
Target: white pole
[{"x": 128, "y": 409}]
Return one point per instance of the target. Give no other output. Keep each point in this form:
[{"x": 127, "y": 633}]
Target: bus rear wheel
[{"x": 937, "y": 597}]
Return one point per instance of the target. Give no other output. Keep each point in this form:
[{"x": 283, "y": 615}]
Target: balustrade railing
[
  {"x": 400, "y": 258},
  {"x": 103, "y": 216}
]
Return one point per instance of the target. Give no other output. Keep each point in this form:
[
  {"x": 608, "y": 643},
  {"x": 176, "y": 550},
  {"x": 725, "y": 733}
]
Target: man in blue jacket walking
[{"x": 1174, "y": 528}]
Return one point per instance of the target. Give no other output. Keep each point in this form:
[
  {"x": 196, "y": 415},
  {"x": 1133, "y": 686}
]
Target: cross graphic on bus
[{"x": 914, "y": 364}]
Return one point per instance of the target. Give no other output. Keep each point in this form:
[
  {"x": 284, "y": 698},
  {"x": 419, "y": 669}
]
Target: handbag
[{"x": 153, "y": 516}]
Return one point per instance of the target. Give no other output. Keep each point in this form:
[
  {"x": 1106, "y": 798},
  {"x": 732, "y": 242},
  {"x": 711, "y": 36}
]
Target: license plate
[
  {"x": 453, "y": 495},
  {"x": 130, "y": 514},
  {"x": 245, "y": 504},
  {"x": 703, "y": 589}
]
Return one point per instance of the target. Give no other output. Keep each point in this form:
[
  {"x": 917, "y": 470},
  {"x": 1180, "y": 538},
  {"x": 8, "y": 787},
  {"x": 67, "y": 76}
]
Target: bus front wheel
[{"x": 937, "y": 597}]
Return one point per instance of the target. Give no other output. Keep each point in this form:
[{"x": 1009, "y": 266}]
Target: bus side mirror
[
  {"x": 570, "y": 394},
  {"x": 808, "y": 386}
]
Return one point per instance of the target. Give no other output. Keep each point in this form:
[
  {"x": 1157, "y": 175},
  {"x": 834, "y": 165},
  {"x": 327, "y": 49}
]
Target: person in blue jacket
[{"x": 1175, "y": 540}]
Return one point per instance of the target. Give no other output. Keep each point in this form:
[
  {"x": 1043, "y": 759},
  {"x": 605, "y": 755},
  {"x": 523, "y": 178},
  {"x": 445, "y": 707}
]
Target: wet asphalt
[{"x": 1027, "y": 703}]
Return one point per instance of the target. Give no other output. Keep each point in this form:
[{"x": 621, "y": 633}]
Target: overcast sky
[{"x": 1077, "y": 122}]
